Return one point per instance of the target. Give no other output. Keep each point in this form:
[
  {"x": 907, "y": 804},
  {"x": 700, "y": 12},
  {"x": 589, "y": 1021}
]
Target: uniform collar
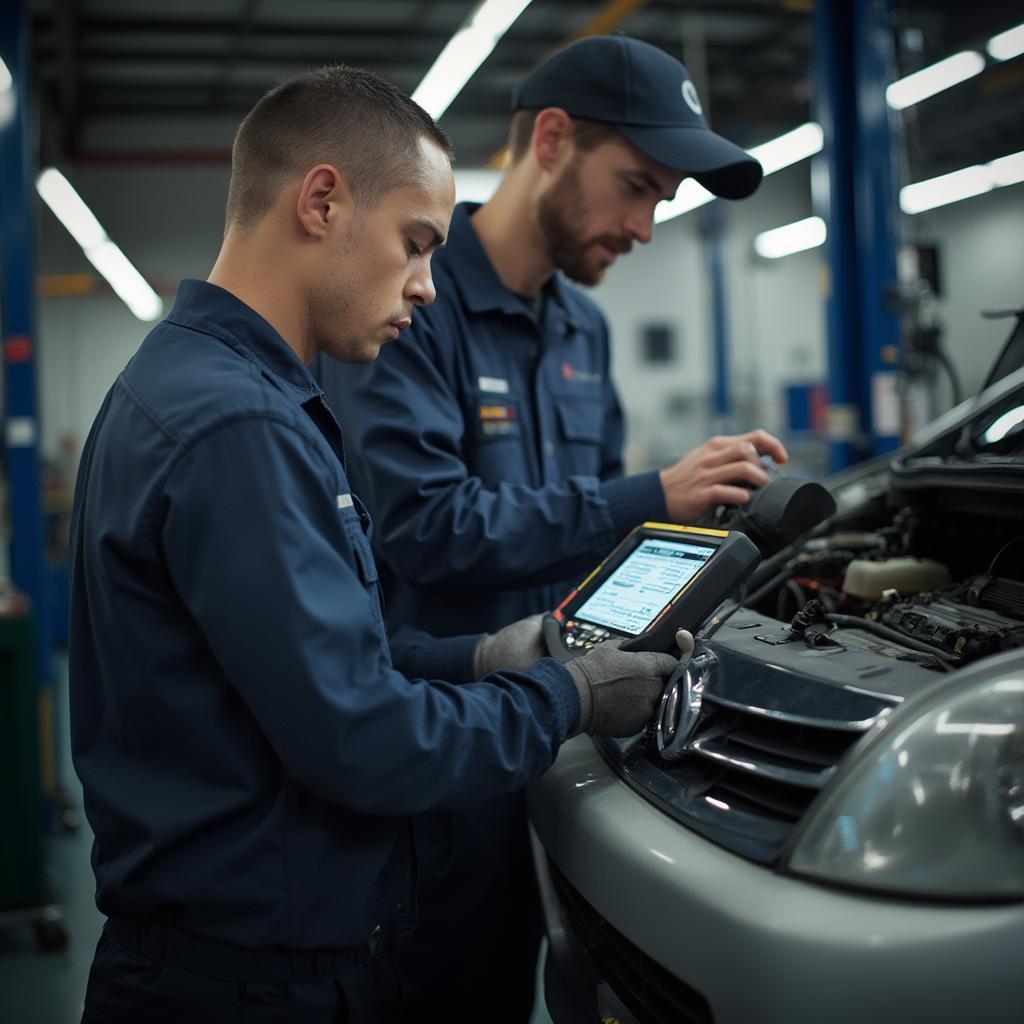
[
  {"x": 210, "y": 309},
  {"x": 478, "y": 281}
]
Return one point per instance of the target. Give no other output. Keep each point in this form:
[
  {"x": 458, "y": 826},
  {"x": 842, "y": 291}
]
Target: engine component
[
  {"x": 966, "y": 632},
  {"x": 852, "y": 540},
  {"x": 1001, "y": 595},
  {"x": 869, "y": 580}
]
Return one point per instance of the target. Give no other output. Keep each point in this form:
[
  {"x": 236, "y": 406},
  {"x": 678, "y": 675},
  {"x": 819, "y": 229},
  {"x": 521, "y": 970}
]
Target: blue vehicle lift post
[
  {"x": 721, "y": 398},
  {"x": 26, "y": 687},
  {"x": 854, "y": 191}
]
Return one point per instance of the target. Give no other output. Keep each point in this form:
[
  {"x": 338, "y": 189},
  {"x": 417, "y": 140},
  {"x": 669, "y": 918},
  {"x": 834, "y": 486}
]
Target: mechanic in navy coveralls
[
  {"x": 250, "y": 750},
  {"x": 488, "y": 442}
]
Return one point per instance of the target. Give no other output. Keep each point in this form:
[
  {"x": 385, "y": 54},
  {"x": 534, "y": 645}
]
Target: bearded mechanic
[{"x": 488, "y": 442}]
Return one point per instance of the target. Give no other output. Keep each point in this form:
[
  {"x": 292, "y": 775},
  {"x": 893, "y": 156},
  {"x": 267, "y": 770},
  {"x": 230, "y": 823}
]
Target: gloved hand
[
  {"x": 516, "y": 646},
  {"x": 619, "y": 690}
]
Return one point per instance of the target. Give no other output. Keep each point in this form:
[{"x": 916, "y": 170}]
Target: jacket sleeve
[
  {"x": 437, "y": 523},
  {"x": 281, "y": 583}
]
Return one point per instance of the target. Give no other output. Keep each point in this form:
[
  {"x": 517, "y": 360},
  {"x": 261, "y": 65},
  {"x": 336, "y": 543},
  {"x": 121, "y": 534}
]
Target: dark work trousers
[
  {"x": 473, "y": 955},
  {"x": 149, "y": 973}
]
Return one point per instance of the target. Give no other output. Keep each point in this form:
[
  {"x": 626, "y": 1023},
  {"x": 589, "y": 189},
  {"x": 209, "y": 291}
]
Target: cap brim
[{"x": 718, "y": 164}]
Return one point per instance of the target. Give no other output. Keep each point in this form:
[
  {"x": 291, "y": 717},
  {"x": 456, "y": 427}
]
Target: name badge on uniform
[
  {"x": 344, "y": 501},
  {"x": 496, "y": 385}
]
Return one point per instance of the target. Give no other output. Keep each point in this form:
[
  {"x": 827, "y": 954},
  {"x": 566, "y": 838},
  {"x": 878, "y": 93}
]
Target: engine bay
[{"x": 936, "y": 589}]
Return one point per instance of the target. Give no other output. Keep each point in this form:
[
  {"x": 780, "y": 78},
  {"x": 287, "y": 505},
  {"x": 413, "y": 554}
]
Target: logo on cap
[{"x": 691, "y": 97}]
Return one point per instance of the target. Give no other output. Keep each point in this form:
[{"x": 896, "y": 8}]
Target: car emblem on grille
[{"x": 681, "y": 705}]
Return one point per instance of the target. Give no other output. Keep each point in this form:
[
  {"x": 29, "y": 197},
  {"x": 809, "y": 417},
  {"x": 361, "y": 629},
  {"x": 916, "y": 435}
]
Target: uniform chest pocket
[{"x": 580, "y": 419}]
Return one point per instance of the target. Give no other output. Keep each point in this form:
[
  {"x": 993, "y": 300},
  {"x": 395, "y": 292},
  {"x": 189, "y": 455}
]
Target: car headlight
[{"x": 933, "y": 803}]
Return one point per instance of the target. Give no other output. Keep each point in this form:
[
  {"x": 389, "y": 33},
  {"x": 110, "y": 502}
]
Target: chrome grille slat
[
  {"x": 748, "y": 794},
  {"x": 768, "y": 746},
  {"x": 725, "y": 753},
  {"x": 793, "y": 718}
]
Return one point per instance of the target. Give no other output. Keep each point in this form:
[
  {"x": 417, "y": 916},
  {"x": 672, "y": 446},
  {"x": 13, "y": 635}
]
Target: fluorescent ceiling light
[
  {"x": 689, "y": 196},
  {"x": 5, "y": 77},
  {"x": 1004, "y": 425},
  {"x": 475, "y": 186},
  {"x": 69, "y": 208},
  {"x": 787, "y": 149},
  {"x": 790, "y": 238},
  {"x": 464, "y": 53},
  {"x": 928, "y": 81},
  {"x": 962, "y": 184},
  {"x": 1007, "y": 170},
  {"x": 947, "y": 188},
  {"x": 1007, "y": 44},
  {"x": 131, "y": 287},
  {"x": 71, "y": 211}
]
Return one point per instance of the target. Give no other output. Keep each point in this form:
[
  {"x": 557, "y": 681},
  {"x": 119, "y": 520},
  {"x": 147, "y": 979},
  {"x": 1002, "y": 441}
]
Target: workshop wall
[
  {"x": 775, "y": 321},
  {"x": 981, "y": 259},
  {"x": 169, "y": 221}
]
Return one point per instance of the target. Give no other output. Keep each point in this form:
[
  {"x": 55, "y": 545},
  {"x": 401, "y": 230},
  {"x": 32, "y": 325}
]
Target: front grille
[
  {"x": 772, "y": 767},
  {"x": 774, "y": 727},
  {"x": 651, "y": 993}
]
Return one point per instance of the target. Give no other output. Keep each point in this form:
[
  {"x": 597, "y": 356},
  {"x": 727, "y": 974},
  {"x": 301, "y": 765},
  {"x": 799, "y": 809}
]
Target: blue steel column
[
  {"x": 17, "y": 317},
  {"x": 832, "y": 189},
  {"x": 877, "y": 222},
  {"x": 853, "y": 189},
  {"x": 721, "y": 401}
]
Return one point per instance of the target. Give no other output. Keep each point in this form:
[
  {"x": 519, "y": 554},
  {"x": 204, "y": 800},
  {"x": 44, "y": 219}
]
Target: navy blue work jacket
[
  {"x": 488, "y": 447},
  {"x": 250, "y": 754}
]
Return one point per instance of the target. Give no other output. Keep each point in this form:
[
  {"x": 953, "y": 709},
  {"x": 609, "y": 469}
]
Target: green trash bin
[{"x": 21, "y": 841}]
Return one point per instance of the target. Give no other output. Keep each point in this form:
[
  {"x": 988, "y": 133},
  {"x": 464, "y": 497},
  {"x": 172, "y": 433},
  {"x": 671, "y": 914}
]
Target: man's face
[
  {"x": 378, "y": 269},
  {"x": 601, "y": 202}
]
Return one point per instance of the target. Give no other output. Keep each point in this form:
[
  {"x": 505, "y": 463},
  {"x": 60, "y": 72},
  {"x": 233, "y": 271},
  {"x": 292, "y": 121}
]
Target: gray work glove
[
  {"x": 516, "y": 646},
  {"x": 620, "y": 690}
]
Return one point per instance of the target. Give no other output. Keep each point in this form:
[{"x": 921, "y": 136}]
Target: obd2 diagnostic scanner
[{"x": 660, "y": 579}]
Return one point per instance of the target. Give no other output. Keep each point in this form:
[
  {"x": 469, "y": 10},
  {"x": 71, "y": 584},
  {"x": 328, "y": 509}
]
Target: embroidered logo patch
[
  {"x": 691, "y": 97},
  {"x": 569, "y": 372}
]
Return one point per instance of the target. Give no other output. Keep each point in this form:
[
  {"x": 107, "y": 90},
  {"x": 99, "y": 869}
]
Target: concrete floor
[{"x": 48, "y": 988}]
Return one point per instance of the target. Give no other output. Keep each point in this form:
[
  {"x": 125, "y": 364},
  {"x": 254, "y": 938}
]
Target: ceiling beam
[
  {"x": 65, "y": 17},
  {"x": 229, "y": 61}
]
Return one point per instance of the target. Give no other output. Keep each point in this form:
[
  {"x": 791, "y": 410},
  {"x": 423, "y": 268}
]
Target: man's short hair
[
  {"x": 339, "y": 115},
  {"x": 587, "y": 135}
]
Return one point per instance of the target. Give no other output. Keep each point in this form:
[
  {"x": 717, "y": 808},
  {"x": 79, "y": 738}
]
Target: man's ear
[
  {"x": 552, "y": 131},
  {"x": 324, "y": 201}
]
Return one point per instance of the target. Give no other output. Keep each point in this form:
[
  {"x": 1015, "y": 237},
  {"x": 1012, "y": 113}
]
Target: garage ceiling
[{"x": 166, "y": 82}]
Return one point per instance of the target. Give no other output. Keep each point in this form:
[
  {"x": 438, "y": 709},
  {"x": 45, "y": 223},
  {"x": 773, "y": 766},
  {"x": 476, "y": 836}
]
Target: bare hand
[{"x": 714, "y": 474}]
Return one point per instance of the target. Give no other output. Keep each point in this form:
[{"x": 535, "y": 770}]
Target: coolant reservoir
[{"x": 869, "y": 580}]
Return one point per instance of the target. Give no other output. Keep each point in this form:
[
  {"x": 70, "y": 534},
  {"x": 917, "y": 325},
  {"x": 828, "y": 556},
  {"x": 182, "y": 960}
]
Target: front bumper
[{"x": 750, "y": 944}]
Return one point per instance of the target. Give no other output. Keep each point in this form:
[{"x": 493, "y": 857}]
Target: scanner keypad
[{"x": 584, "y": 635}]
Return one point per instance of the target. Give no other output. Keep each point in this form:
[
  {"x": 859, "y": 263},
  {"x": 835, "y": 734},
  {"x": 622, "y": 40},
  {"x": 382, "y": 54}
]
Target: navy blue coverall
[
  {"x": 250, "y": 753},
  {"x": 489, "y": 449}
]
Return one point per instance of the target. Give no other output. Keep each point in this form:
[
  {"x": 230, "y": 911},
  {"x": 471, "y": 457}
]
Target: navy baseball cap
[{"x": 649, "y": 97}]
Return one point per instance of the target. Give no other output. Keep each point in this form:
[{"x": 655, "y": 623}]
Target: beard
[{"x": 560, "y": 212}]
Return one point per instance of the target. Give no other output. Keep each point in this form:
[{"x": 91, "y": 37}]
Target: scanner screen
[{"x": 636, "y": 592}]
